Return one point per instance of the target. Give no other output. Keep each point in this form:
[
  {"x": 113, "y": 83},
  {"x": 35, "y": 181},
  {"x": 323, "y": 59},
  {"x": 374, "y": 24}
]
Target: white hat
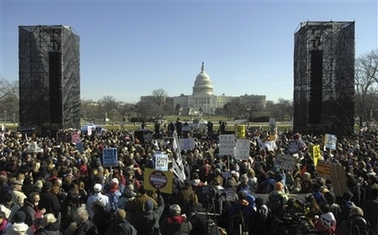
[
  {"x": 115, "y": 180},
  {"x": 97, "y": 188}
]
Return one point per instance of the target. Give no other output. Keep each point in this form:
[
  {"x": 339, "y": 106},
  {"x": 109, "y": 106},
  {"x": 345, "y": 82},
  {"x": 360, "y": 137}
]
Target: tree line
[{"x": 156, "y": 105}]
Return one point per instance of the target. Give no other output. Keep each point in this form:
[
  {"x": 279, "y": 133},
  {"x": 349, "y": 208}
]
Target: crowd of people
[{"x": 60, "y": 189}]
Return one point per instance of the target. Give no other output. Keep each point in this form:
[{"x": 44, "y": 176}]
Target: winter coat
[
  {"x": 19, "y": 229},
  {"x": 175, "y": 225},
  {"x": 122, "y": 227}
]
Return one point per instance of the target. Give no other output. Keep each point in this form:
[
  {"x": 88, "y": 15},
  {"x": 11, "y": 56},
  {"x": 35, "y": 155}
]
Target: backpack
[
  {"x": 358, "y": 225},
  {"x": 275, "y": 203},
  {"x": 238, "y": 224}
]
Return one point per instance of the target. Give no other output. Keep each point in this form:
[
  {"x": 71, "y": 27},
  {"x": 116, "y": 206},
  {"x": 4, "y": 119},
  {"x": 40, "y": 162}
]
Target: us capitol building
[{"x": 203, "y": 97}]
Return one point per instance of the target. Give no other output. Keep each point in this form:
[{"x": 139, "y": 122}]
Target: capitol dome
[{"x": 203, "y": 85}]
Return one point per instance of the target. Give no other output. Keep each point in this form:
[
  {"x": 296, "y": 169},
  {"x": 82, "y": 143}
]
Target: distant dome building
[
  {"x": 202, "y": 84},
  {"x": 203, "y": 98}
]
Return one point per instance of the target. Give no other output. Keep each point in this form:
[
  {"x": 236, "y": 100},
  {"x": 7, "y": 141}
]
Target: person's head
[
  {"x": 46, "y": 186},
  {"x": 251, "y": 173},
  {"x": 81, "y": 215},
  {"x": 97, "y": 188},
  {"x": 38, "y": 184},
  {"x": 34, "y": 198},
  {"x": 17, "y": 185},
  {"x": 97, "y": 206},
  {"x": 120, "y": 214},
  {"x": 2, "y": 216},
  {"x": 175, "y": 209},
  {"x": 329, "y": 197},
  {"x": 259, "y": 201},
  {"x": 148, "y": 206},
  {"x": 19, "y": 217},
  {"x": 347, "y": 196},
  {"x": 356, "y": 210},
  {"x": 49, "y": 218},
  {"x": 278, "y": 186}
]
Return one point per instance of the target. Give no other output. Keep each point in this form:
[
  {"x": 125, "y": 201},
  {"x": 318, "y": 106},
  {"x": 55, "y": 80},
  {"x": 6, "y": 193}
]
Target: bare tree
[
  {"x": 9, "y": 99},
  {"x": 159, "y": 97},
  {"x": 145, "y": 110},
  {"x": 366, "y": 80}
]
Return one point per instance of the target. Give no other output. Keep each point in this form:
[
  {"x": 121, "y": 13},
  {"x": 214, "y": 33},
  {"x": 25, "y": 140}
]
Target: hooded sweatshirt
[{"x": 19, "y": 229}]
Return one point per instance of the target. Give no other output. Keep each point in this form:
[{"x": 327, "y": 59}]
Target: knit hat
[
  {"x": 148, "y": 206},
  {"x": 19, "y": 217},
  {"x": 97, "y": 188},
  {"x": 47, "y": 185}
]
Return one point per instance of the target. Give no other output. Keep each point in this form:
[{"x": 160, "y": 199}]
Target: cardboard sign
[
  {"x": 158, "y": 180},
  {"x": 336, "y": 174}
]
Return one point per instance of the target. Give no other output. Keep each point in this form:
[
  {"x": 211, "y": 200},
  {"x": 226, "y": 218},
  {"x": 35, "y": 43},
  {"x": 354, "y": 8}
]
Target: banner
[
  {"x": 158, "y": 180},
  {"x": 177, "y": 164}
]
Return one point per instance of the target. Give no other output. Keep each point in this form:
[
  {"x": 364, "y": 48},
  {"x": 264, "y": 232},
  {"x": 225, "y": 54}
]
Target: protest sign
[
  {"x": 226, "y": 144},
  {"x": 109, "y": 157},
  {"x": 242, "y": 149}
]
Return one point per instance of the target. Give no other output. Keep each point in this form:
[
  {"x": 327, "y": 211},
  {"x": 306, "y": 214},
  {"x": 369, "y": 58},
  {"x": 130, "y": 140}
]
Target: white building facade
[{"x": 203, "y": 98}]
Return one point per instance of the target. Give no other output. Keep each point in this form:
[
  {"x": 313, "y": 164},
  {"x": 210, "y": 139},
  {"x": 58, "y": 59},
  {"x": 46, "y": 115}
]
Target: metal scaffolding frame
[
  {"x": 35, "y": 45},
  {"x": 336, "y": 40}
]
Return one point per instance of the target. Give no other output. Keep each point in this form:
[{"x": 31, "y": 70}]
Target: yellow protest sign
[
  {"x": 240, "y": 131},
  {"x": 158, "y": 180},
  {"x": 316, "y": 154}
]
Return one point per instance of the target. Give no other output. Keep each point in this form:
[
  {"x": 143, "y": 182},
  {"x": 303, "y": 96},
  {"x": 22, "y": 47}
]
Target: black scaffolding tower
[
  {"x": 324, "y": 57},
  {"x": 49, "y": 77}
]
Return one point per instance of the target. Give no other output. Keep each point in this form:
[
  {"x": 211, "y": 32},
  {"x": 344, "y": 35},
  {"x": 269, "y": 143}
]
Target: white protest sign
[
  {"x": 285, "y": 162},
  {"x": 226, "y": 144},
  {"x": 109, "y": 157},
  {"x": 330, "y": 141},
  {"x": 161, "y": 162},
  {"x": 242, "y": 149}
]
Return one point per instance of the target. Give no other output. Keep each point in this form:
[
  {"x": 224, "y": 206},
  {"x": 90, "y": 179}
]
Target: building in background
[
  {"x": 49, "y": 77},
  {"x": 203, "y": 99}
]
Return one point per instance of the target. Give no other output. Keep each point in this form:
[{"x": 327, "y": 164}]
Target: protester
[
  {"x": 61, "y": 167},
  {"x": 97, "y": 196},
  {"x": 18, "y": 226},
  {"x": 121, "y": 226},
  {"x": 176, "y": 223}
]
